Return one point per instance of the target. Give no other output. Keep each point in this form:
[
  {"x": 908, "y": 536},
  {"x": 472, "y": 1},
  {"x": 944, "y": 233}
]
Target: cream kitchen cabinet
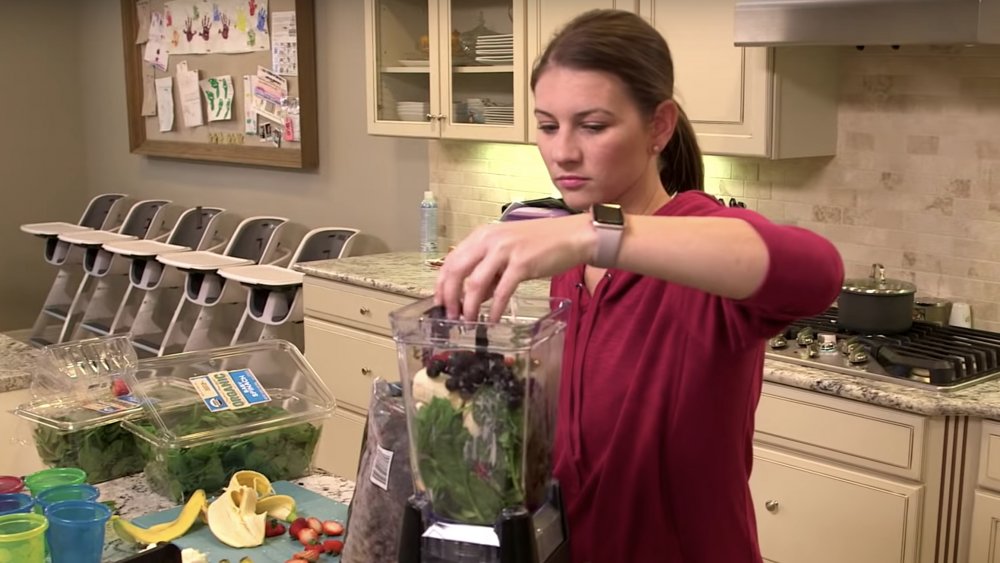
[
  {"x": 986, "y": 512},
  {"x": 838, "y": 480},
  {"x": 742, "y": 101},
  {"x": 349, "y": 344},
  {"x": 17, "y": 446},
  {"x": 428, "y": 76}
]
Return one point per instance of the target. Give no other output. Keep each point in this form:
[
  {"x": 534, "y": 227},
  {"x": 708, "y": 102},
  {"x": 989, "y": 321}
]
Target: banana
[
  {"x": 253, "y": 479},
  {"x": 166, "y": 532},
  {"x": 281, "y": 507}
]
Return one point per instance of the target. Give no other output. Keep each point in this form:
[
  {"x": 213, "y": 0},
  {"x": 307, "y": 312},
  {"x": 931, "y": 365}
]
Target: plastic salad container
[
  {"x": 80, "y": 399},
  {"x": 211, "y": 413},
  {"x": 480, "y": 402}
]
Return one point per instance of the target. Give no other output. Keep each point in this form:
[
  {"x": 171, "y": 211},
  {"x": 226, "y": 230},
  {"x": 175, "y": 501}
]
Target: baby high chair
[
  {"x": 206, "y": 317},
  {"x": 153, "y": 291},
  {"x": 103, "y": 278},
  {"x": 274, "y": 294}
]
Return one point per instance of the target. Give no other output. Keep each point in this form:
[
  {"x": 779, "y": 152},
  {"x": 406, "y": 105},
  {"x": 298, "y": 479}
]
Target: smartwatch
[{"x": 609, "y": 222}]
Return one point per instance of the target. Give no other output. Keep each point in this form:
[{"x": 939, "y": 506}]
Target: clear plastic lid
[
  {"x": 83, "y": 369},
  {"x": 204, "y": 396},
  {"x": 82, "y": 385}
]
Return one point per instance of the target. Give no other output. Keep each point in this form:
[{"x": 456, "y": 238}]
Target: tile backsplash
[{"x": 915, "y": 184}]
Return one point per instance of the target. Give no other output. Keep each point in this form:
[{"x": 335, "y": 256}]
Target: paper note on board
[
  {"x": 249, "y": 113},
  {"x": 165, "y": 102},
  {"x": 155, "y": 52},
  {"x": 269, "y": 93},
  {"x": 284, "y": 45},
  {"x": 190, "y": 95},
  {"x": 142, "y": 15},
  {"x": 148, "y": 91},
  {"x": 218, "y": 92}
]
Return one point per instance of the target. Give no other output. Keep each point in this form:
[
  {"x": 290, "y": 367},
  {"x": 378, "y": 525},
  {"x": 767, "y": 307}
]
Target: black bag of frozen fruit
[{"x": 384, "y": 482}]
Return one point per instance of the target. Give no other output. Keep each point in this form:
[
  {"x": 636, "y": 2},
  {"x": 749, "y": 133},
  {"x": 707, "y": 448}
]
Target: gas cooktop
[{"x": 927, "y": 356}]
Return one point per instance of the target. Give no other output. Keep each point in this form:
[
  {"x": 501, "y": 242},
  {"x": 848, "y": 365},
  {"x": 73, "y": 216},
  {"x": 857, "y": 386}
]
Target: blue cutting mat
[{"x": 274, "y": 550}]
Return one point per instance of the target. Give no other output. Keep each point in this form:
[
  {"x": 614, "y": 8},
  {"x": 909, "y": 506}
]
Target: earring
[{"x": 656, "y": 148}]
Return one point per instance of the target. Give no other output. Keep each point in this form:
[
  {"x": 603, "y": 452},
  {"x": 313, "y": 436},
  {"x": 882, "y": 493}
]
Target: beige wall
[
  {"x": 915, "y": 184},
  {"x": 371, "y": 183},
  {"x": 41, "y": 157}
]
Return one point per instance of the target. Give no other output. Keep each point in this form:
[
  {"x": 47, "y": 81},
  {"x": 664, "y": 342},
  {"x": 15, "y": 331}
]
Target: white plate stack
[
  {"x": 498, "y": 115},
  {"x": 413, "y": 111},
  {"x": 495, "y": 49}
]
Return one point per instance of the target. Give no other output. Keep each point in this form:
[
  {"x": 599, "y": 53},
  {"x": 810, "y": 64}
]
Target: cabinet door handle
[
  {"x": 365, "y": 311},
  {"x": 771, "y": 505},
  {"x": 366, "y": 372}
]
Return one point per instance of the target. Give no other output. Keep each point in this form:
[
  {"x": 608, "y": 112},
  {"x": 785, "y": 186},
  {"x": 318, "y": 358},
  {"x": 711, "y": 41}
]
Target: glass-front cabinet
[{"x": 446, "y": 68}]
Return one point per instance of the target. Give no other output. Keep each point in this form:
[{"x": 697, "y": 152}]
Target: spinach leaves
[{"x": 104, "y": 452}]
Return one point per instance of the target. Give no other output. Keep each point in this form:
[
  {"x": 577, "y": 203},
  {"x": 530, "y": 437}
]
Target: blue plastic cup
[
  {"x": 82, "y": 491},
  {"x": 15, "y": 503},
  {"x": 76, "y": 530}
]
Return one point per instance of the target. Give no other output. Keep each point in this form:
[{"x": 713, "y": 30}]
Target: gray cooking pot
[{"x": 876, "y": 305}]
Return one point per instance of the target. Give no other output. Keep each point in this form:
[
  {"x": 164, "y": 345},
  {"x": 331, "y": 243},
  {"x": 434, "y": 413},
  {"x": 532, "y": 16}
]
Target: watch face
[{"x": 609, "y": 214}]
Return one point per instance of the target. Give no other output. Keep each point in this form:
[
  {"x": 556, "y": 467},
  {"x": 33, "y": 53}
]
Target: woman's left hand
[{"x": 495, "y": 258}]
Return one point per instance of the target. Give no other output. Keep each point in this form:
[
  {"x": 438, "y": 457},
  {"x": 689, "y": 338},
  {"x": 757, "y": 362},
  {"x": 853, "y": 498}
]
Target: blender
[{"x": 480, "y": 403}]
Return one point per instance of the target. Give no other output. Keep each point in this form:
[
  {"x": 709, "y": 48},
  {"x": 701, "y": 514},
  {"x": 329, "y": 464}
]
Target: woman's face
[{"x": 594, "y": 141}]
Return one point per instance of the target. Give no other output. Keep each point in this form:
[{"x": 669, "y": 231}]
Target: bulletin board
[{"x": 219, "y": 39}]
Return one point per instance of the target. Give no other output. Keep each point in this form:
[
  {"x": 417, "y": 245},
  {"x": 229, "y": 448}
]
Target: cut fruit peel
[{"x": 166, "y": 532}]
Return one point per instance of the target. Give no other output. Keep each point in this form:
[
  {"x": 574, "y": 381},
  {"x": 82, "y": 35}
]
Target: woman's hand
[{"x": 495, "y": 258}]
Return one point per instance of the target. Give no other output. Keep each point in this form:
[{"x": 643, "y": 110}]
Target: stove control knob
[
  {"x": 778, "y": 342},
  {"x": 805, "y": 337},
  {"x": 828, "y": 343},
  {"x": 857, "y": 354}
]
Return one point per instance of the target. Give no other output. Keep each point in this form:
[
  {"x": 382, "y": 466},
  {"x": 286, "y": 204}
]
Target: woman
[{"x": 664, "y": 348}]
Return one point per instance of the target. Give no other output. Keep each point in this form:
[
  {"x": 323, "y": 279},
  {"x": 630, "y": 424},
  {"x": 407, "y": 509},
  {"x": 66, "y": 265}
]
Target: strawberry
[
  {"x": 308, "y": 537},
  {"x": 333, "y": 528},
  {"x": 297, "y": 526},
  {"x": 119, "y": 387},
  {"x": 310, "y": 555},
  {"x": 333, "y": 546},
  {"x": 315, "y": 524},
  {"x": 297, "y": 560},
  {"x": 273, "y": 528}
]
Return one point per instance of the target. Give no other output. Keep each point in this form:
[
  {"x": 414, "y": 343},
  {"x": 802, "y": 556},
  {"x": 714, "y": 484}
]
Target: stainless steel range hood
[{"x": 867, "y": 22}]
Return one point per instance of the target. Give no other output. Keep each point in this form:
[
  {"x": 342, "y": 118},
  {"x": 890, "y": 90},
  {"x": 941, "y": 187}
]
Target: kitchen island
[{"x": 133, "y": 498}]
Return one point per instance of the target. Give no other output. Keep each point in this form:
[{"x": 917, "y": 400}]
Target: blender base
[{"x": 541, "y": 537}]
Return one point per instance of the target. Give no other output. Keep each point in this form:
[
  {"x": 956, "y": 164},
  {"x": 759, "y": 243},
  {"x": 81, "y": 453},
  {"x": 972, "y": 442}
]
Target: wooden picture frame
[{"x": 303, "y": 154}]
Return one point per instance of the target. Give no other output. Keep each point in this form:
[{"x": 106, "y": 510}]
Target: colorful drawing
[
  {"x": 239, "y": 26},
  {"x": 218, "y": 92}
]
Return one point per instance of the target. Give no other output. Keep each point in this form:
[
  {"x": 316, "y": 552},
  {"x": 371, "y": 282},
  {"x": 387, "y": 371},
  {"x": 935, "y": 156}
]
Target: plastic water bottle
[{"x": 428, "y": 223}]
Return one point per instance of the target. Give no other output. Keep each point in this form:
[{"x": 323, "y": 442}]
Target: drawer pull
[
  {"x": 366, "y": 372},
  {"x": 365, "y": 311},
  {"x": 771, "y": 505}
]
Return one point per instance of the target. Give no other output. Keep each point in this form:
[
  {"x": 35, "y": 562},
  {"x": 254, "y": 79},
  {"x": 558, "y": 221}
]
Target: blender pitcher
[{"x": 480, "y": 404}]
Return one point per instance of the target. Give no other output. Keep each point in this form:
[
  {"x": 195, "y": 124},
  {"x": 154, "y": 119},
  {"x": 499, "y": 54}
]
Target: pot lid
[{"x": 878, "y": 284}]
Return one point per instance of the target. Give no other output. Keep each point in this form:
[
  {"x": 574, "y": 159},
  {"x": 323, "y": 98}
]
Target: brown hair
[{"x": 623, "y": 44}]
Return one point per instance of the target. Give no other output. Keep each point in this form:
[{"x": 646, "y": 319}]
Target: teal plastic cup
[
  {"x": 82, "y": 491},
  {"x": 39, "y": 481},
  {"x": 76, "y": 531},
  {"x": 22, "y": 537},
  {"x": 16, "y": 503}
]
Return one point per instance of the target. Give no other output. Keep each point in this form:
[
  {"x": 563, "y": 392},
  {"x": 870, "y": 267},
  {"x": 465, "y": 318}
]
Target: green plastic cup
[
  {"x": 53, "y": 477},
  {"x": 22, "y": 538}
]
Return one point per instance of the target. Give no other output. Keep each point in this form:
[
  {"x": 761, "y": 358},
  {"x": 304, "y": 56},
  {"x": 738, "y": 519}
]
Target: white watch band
[{"x": 609, "y": 241}]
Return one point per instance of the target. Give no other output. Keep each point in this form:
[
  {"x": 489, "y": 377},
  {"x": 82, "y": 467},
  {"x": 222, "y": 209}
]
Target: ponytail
[{"x": 681, "y": 168}]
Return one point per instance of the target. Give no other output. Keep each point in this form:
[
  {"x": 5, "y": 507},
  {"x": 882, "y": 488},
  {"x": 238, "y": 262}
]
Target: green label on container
[{"x": 230, "y": 390}]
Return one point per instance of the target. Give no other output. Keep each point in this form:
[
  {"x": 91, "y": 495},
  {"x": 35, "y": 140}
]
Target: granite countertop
[
  {"x": 17, "y": 363},
  {"x": 133, "y": 498},
  {"x": 401, "y": 273},
  {"x": 406, "y": 273}
]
